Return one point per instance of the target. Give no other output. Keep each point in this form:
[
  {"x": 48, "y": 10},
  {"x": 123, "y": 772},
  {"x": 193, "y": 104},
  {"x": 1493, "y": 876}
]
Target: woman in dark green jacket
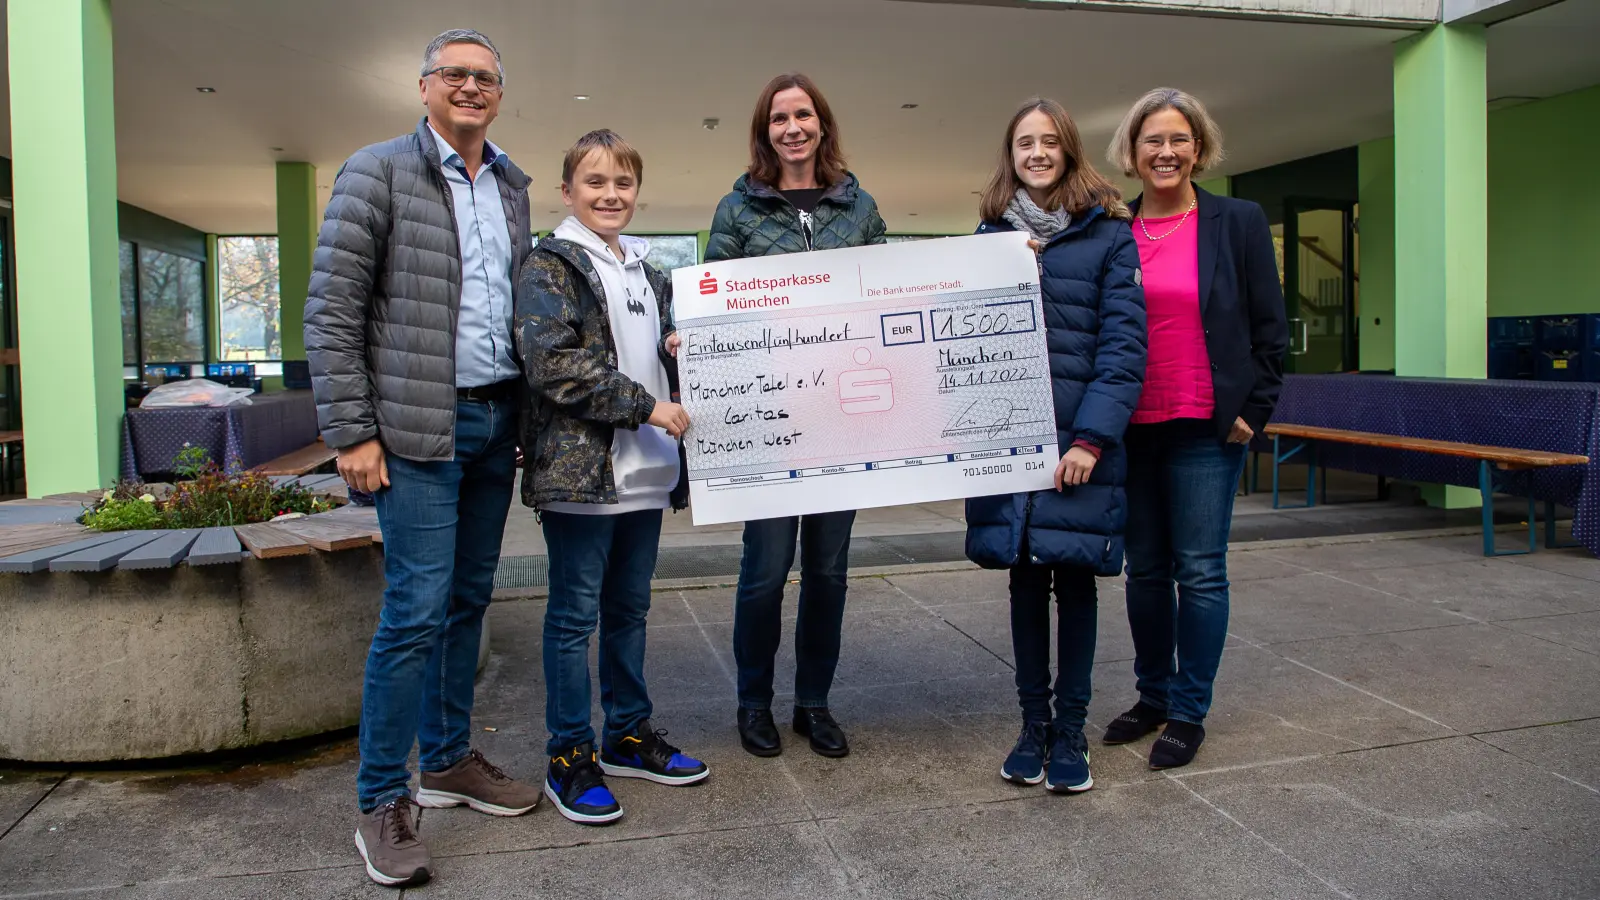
[{"x": 796, "y": 197}]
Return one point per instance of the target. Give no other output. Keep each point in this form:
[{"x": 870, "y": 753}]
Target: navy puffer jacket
[{"x": 1095, "y": 332}]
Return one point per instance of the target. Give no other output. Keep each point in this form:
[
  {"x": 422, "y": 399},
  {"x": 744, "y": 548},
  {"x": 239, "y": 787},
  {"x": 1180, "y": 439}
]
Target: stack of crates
[
  {"x": 1565, "y": 347},
  {"x": 1511, "y": 347}
]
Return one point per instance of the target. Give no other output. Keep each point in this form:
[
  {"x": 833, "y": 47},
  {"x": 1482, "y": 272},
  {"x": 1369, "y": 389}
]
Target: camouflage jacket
[
  {"x": 755, "y": 220},
  {"x": 577, "y": 397}
]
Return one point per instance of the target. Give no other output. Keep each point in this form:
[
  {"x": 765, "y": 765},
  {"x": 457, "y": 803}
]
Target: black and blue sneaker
[
  {"x": 1025, "y": 765},
  {"x": 1067, "y": 772},
  {"x": 646, "y": 754},
  {"x": 574, "y": 784}
]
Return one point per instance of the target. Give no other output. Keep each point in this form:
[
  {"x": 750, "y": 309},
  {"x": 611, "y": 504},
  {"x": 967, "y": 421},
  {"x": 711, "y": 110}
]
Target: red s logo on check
[{"x": 708, "y": 285}]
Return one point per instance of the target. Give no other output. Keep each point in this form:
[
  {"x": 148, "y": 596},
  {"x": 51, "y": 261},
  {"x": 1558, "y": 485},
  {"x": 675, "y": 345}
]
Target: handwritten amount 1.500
[{"x": 950, "y": 324}]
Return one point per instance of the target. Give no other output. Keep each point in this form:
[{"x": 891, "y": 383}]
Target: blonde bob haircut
[
  {"x": 1204, "y": 129},
  {"x": 1078, "y": 191}
]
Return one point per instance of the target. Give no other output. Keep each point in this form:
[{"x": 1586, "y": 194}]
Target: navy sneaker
[
  {"x": 1025, "y": 765},
  {"x": 1067, "y": 772},
  {"x": 646, "y": 754},
  {"x": 575, "y": 785}
]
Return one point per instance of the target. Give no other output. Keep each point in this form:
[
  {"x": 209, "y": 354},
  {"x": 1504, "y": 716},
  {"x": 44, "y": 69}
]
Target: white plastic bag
[{"x": 192, "y": 392}]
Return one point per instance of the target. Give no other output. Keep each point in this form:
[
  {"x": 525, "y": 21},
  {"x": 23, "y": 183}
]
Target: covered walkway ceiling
[{"x": 313, "y": 80}]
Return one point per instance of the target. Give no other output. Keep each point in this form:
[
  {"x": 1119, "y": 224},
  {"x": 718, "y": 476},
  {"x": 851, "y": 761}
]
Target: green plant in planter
[{"x": 205, "y": 497}]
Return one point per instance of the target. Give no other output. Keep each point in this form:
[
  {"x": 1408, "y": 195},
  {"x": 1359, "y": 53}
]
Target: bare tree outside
[
  {"x": 171, "y": 307},
  {"x": 248, "y": 280}
]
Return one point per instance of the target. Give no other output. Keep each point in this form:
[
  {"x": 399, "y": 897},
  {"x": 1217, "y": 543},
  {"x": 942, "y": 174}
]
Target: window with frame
[
  {"x": 672, "y": 251},
  {"x": 172, "y": 307},
  {"x": 247, "y": 280}
]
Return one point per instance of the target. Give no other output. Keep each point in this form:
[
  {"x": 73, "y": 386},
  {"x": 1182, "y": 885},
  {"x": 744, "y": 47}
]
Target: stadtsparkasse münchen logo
[{"x": 708, "y": 285}]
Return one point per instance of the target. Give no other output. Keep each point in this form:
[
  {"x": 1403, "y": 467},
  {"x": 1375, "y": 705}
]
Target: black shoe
[
  {"x": 758, "y": 733},
  {"x": 1177, "y": 745},
  {"x": 1134, "y": 724},
  {"x": 578, "y": 789},
  {"x": 816, "y": 723},
  {"x": 646, "y": 754}
]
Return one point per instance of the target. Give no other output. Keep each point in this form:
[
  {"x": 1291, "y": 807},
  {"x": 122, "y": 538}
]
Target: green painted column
[
  {"x": 703, "y": 238},
  {"x": 1441, "y": 218},
  {"x": 64, "y": 175},
  {"x": 1376, "y": 253},
  {"x": 297, "y": 240},
  {"x": 213, "y": 300}
]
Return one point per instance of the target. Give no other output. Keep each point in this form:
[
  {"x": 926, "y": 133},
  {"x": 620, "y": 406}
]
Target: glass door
[{"x": 1319, "y": 286}]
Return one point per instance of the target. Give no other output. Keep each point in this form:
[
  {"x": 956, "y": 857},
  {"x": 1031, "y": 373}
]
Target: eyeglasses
[
  {"x": 1178, "y": 141},
  {"x": 456, "y": 76}
]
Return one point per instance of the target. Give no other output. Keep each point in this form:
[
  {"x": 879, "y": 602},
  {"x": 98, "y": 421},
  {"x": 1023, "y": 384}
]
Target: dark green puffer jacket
[{"x": 755, "y": 220}]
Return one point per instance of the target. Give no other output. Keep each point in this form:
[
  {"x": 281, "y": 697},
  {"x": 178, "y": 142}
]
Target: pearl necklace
[{"x": 1192, "y": 204}]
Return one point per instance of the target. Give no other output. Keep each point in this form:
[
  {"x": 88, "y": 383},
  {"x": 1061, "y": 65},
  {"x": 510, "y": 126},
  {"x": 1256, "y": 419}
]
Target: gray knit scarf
[{"x": 1027, "y": 216}]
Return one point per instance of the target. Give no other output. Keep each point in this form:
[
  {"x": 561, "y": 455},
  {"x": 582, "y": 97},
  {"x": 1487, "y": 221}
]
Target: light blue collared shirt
[{"x": 483, "y": 325}]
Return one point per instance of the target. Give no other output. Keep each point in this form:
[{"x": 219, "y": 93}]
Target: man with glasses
[{"x": 408, "y": 331}]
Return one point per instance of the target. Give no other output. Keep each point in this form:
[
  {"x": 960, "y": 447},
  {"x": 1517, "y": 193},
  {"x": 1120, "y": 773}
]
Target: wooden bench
[
  {"x": 1491, "y": 462},
  {"x": 300, "y": 462}
]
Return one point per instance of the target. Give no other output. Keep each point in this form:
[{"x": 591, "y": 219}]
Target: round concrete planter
[{"x": 126, "y": 665}]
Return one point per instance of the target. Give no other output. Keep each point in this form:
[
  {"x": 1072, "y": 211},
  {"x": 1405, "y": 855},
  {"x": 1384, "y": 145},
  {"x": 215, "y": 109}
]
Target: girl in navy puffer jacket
[{"x": 1095, "y": 333}]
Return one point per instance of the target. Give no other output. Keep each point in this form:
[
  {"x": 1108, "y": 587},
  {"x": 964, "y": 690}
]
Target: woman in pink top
[{"x": 1217, "y": 338}]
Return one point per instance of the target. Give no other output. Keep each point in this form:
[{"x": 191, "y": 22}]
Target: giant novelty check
[{"x": 873, "y": 376}]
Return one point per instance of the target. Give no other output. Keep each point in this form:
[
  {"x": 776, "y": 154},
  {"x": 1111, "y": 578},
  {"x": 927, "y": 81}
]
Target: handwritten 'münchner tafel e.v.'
[{"x": 872, "y": 376}]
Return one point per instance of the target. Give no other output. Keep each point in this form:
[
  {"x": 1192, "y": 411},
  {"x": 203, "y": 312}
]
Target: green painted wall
[
  {"x": 63, "y": 142},
  {"x": 297, "y": 241},
  {"x": 1221, "y": 185},
  {"x": 1375, "y": 249},
  {"x": 1544, "y": 232}
]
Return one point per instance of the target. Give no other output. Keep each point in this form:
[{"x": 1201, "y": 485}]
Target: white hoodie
[{"x": 644, "y": 463}]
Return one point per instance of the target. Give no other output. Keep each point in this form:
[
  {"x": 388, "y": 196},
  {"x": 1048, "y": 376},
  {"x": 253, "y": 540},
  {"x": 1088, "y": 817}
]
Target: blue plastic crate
[
  {"x": 1512, "y": 362},
  {"x": 1561, "y": 365},
  {"x": 1506, "y": 331},
  {"x": 1561, "y": 333}
]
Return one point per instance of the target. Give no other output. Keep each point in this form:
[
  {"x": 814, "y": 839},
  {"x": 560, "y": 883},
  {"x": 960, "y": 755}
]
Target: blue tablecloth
[
  {"x": 238, "y": 437},
  {"x": 1555, "y": 416}
]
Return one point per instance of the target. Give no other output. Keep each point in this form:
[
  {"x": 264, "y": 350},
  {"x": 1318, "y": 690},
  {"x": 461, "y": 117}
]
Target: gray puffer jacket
[{"x": 380, "y": 321}]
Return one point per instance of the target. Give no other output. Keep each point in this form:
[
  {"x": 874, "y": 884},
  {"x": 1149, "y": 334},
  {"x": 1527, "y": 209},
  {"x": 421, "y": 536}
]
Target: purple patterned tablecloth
[
  {"x": 1531, "y": 415},
  {"x": 238, "y": 437}
]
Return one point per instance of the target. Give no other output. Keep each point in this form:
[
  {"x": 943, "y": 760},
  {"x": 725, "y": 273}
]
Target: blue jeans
[
  {"x": 1181, "y": 484},
  {"x": 758, "y": 606},
  {"x": 600, "y": 568},
  {"x": 442, "y": 524},
  {"x": 1076, "y": 623}
]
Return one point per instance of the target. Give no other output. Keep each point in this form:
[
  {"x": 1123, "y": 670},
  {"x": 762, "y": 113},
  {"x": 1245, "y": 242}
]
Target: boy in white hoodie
[{"x": 601, "y": 439}]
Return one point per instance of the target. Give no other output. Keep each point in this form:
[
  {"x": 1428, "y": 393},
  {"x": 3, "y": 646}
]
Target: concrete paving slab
[
  {"x": 1315, "y": 605},
  {"x": 1451, "y": 818},
  {"x": 780, "y": 862},
  {"x": 1254, "y": 565},
  {"x": 1577, "y": 562},
  {"x": 344, "y": 883},
  {"x": 743, "y": 791},
  {"x": 1150, "y": 840},
  {"x": 1485, "y": 589},
  {"x": 1268, "y": 709},
  {"x": 1469, "y": 677},
  {"x": 1580, "y": 631},
  {"x": 990, "y": 625},
  {"x": 1375, "y": 554},
  {"x": 20, "y": 790},
  {"x": 1566, "y": 749},
  {"x": 106, "y": 830}
]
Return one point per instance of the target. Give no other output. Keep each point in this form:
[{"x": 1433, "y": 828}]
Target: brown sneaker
[
  {"x": 387, "y": 839},
  {"x": 476, "y": 782}
]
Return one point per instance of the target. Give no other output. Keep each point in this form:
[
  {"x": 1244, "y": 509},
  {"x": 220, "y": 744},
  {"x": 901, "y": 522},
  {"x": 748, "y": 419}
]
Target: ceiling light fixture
[
  {"x": 908, "y": 106},
  {"x": 580, "y": 96},
  {"x": 206, "y": 90},
  {"x": 276, "y": 149},
  {"x": 710, "y": 124}
]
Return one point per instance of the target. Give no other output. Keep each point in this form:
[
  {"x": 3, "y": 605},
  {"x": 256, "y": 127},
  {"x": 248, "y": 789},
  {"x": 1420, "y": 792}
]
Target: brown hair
[
  {"x": 1206, "y": 131},
  {"x": 607, "y": 141},
  {"x": 1079, "y": 190},
  {"x": 764, "y": 165}
]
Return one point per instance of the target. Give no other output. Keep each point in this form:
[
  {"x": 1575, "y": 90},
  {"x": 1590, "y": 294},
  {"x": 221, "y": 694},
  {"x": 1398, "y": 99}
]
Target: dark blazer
[
  {"x": 1095, "y": 338},
  {"x": 1241, "y": 307}
]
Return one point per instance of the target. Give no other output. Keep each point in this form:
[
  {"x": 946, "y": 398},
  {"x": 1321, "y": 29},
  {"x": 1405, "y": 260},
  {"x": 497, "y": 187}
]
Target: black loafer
[
  {"x": 816, "y": 723},
  {"x": 758, "y": 733}
]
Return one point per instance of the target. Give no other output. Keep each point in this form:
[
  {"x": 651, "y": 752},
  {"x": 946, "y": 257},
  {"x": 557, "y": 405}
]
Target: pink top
[{"x": 1177, "y": 381}]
